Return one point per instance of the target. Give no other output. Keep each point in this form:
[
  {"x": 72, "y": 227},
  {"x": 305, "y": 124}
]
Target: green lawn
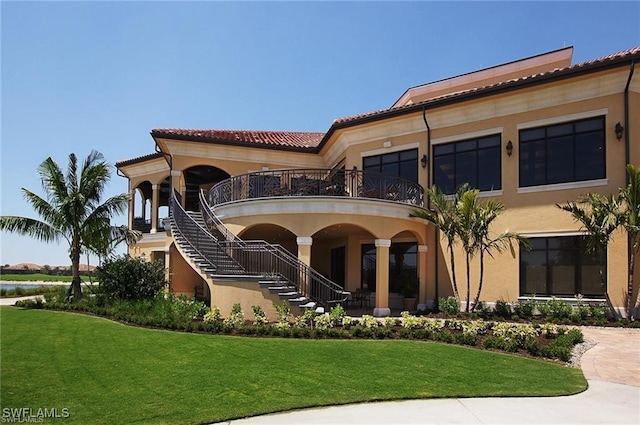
[
  {"x": 33, "y": 277},
  {"x": 106, "y": 372}
]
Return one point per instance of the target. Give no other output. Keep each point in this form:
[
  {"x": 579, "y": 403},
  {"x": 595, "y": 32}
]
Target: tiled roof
[
  {"x": 282, "y": 139},
  {"x": 530, "y": 78},
  {"x": 143, "y": 158}
]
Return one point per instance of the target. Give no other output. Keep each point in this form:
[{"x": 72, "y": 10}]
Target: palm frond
[
  {"x": 53, "y": 182},
  {"x": 30, "y": 227}
]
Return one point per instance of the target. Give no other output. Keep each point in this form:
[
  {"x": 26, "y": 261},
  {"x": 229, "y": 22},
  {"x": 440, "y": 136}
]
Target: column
[
  {"x": 154, "y": 208},
  {"x": 304, "y": 255},
  {"x": 422, "y": 276},
  {"x": 143, "y": 205},
  {"x": 176, "y": 184},
  {"x": 382, "y": 278},
  {"x": 132, "y": 206}
]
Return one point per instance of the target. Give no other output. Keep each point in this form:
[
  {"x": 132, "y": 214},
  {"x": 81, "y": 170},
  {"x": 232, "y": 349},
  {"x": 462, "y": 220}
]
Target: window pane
[
  {"x": 589, "y": 125},
  {"x": 533, "y": 134},
  {"x": 466, "y": 146},
  {"x": 532, "y": 164},
  {"x": 559, "y": 130},
  {"x": 563, "y": 269},
  {"x": 370, "y": 161},
  {"x": 392, "y": 169},
  {"x": 560, "y": 160},
  {"x": 489, "y": 169},
  {"x": 443, "y": 149},
  {"x": 443, "y": 173},
  {"x": 488, "y": 142},
  {"x": 591, "y": 283},
  {"x": 411, "y": 154},
  {"x": 467, "y": 169},
  {"x": 533, "y": 272},
  {"x": 409, "y": 171},
  {"x": 390, "y": 157},
  {"x": 590, "y": 156}
]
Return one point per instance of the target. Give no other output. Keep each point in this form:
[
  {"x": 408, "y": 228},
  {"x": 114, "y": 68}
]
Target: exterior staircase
[{"x": 217, "y": 253}]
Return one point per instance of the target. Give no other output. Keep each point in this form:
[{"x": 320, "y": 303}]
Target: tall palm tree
[
  {"x": 445, "y": 218},
  {"x": 599, "y": 216},
  {"x": 485, "y": 244},
  {"x": 630, "y": 195},
  {"x": 72, "y": 210},
  {"x": 468, "y": 208}
]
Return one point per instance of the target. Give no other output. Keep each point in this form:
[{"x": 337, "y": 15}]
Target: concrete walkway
[
  {"x": 12, "y": 301},
  {"x": 612, "y": 368}
]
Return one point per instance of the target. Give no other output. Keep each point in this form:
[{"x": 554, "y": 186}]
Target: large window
[
  {"x": 403, "y": 261},
  {"x": 560, "y": 266},
  {"x": 473, "y": 161},
  {"x": 402, "y": 164},
  {"x": 563, "y": 153}
]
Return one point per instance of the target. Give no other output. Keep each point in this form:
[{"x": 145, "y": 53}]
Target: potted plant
[{"x": 409, "y": 289}]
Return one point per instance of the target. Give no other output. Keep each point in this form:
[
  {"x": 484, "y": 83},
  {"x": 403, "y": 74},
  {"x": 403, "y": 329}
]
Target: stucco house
[{"x": 259, "y": 216}]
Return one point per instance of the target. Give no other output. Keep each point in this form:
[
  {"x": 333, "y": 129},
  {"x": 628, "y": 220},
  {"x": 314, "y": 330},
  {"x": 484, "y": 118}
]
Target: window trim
[{"x": 565, "y": 119}]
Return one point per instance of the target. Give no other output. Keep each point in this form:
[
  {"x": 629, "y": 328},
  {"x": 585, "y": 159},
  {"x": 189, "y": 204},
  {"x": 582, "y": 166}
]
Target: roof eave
[{"x": 209, "y": 140}]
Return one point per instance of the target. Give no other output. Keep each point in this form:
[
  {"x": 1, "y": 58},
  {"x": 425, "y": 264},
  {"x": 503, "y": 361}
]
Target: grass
[
  {"x": 106, "y": 372},
  {"x": 35, "y": 277}
]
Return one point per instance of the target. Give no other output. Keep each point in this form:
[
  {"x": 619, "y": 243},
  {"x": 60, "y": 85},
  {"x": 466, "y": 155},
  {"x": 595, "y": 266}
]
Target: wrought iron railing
[
  {"x": 210, "y": 252},
  {"x": 317, "y": 182},
  {"x": 230, "y": 255}
]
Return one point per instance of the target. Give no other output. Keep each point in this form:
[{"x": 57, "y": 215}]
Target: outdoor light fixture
[
  {"x": 423, "y": 161},
  {"x": 619, "y": 129},
  {"x": 509, "y": 148}
]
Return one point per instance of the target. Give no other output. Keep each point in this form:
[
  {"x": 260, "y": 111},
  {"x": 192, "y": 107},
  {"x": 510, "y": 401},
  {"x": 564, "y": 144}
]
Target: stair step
[
  {"x": 289, "y": 295},
  {"x": 281, "y": 288}
]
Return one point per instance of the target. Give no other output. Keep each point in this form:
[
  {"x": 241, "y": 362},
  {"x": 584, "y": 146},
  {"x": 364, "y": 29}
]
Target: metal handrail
[
  {"x": 200, "y": 240},
  {"x": 317, "y": 182},
  {"x": 263, "y": 258}
]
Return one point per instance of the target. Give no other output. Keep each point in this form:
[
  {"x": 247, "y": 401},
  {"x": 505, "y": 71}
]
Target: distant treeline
[{"x": 56, "y": 271}]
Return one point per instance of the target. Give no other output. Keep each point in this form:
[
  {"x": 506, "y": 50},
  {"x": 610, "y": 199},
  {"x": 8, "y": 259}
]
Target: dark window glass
[
  {"x": 402, "y": 164},
  {"x": 474, "y": 161},
  {"x": 562, "y": 153},
  {"x": 560, "y": 266}
]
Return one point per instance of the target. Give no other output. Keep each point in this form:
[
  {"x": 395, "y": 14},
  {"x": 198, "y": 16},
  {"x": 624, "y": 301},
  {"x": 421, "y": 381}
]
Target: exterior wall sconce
[
  {"x": 619, "y": 129},
  {"x": 509, "y": 148},
  {"x": 423, "y": 161}
]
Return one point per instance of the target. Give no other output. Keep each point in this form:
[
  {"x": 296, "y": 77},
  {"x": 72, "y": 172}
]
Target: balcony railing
[
  {"x": 144, "y": 226},
  {"x": 317, "y": 182}
]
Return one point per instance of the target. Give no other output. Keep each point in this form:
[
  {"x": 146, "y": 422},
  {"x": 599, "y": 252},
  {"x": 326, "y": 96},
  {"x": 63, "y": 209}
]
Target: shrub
[
  {"x": 29, "y": 303},
  {"x": 410, "y": 322},
  {"x": 305, "y": 319},
  {"x": 525, "y": 309},
  {"x": 212, "y": 316},
  {"x": 260, "y": 318},
  {"x": 389, "y": 323},
  {"x": 369, "y": 322},
  {"x": 323, "y": 322},
  {"x": 128, "y": 278},
  {"x": 556, "y": 309},
  {"x": 449, "y": 305},
  {"x": 235, "y": 319},
  {"x": 336, "y": 314},
  {"x": 283, "y": 312},
  {"x": 503, "y": 309}
]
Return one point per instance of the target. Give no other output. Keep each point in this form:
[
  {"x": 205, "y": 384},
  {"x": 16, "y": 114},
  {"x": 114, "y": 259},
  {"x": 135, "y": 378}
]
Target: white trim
[
  {"x": 383, "y": 243},
  {"x": 423, "y": 248},
  {"x": 564, "y": 186},
  {"x": 304, "y": 240},
  {"x": 176, "y": 173},
  {"x": 399, "y": 148},
  {"x": 481, "y": 194},
  {"x": 472, "y": 135},
  {"x": 563, "y": 118},
  {"x": 552, "y": 234}
]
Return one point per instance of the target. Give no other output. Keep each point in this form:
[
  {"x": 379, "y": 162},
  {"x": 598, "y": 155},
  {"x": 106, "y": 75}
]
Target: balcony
[
  {"x": 337, "y": 183},
  {"x": 144, "y": 226}
]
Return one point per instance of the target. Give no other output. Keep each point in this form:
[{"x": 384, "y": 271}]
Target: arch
[
  {"x": 199, "y": 177},
  {"x": 272, "y": 233}
]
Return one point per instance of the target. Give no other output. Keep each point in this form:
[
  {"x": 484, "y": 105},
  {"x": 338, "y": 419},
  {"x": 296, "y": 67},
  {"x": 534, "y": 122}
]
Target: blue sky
[{"x": 78, "y": 76}]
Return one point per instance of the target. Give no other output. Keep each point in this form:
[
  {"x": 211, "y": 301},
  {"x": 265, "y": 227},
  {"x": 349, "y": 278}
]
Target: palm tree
[
  {"x": 630, "y": 195},
  {"x": 484, "y": 217},
  {"x": 72, "y": 210},
  {"x": 445, "y": 219},
  {"x": 599, "y": 216}
]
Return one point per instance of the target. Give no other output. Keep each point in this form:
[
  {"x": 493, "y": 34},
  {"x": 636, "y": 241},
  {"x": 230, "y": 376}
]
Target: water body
[{"x": 29, "y": 285}]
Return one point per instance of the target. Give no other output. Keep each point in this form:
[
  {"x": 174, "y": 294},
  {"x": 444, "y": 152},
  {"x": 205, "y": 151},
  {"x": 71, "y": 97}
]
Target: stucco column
[
  {"x": 304, "y": 255},
  {"x": 143, "y": 205},
  {"x": 154, "y": 208},
  {"x": 382, "y": 278},
  {"x": 176, "y": 183},
  {"x": 422, "y": 276},
  {"x": 132, "y": 206}
]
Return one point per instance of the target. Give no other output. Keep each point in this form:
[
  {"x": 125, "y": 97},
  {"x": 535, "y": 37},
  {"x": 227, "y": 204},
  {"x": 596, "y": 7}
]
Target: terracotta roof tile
[
  {"x": 284, "y": 139},
  {"x": 558, "y": 71},
  {"x": 142, "y": 158}
]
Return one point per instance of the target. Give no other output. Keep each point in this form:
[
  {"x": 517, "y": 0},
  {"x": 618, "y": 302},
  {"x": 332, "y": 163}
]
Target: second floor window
[
  {"x": 402, "y": 164},
  {"x": 562, "y": 153},
  {"x": 473, "y": 161}
]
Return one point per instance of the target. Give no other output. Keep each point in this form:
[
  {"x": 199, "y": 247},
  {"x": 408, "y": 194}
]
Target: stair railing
[{"x": 261, "y": 257}]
